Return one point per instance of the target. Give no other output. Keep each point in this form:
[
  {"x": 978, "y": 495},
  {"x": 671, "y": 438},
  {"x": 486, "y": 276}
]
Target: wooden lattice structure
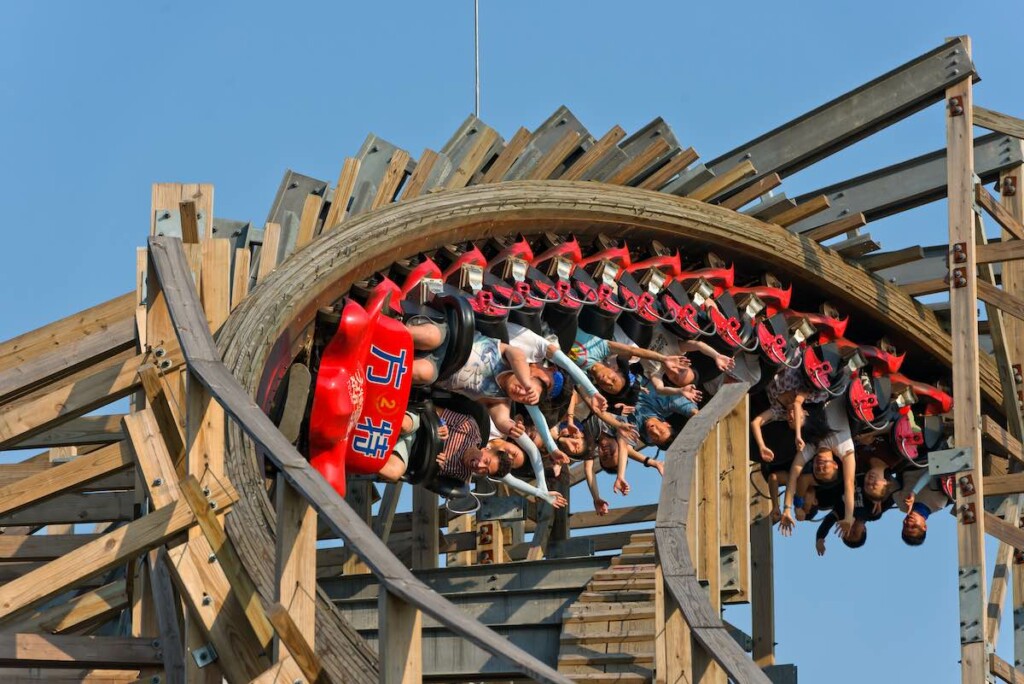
[{"x": 204, "y": 563}]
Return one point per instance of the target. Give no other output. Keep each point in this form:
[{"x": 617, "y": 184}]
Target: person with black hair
[
  {"x": 607, "y": 455},
  {"x": 858, "y": 533},
  {"x": 787, "y": 393},
  {"x": 919, "y": 497}
]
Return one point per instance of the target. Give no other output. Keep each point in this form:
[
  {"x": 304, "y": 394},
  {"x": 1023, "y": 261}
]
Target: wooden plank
[
  {"x": 359, "y": 498},
  {"x": 170, "y": 196},
  {"x": 307, "y": 220},
  {"x": 215, "y": 292},
  {"x": 964, "y": 336},
  {"x": 1000, "y": 252},
  {"x": 995, "y": 121},
  {"x": 400, "y": 642},
  {"x": 719, "y": 184},
  {"x": 925, "y": 287},
  {"x": 801, "y": 211},
  {"x": 473, "y": 159},
  {"x": 102, "y": 554},
  {"x": 856, "y": 246},
  {"x": 752, "y": 192},
  {"x": 1002, "y": 216},
  {"x": 74, "y": 396},
  {"x": 166, "y": 411},
  {"x": 47, "y": 650},
  {"x": 269, "y": 251},
  {"x": 296, "y": 561},
  {"x": 294, "y": 638},
  {"x": 640, "y": 163},
  {"x": 666, "y": 173},
  {"x": 425, "y": 524},
  {"x": 50, "y": 483},
  {"x": 393, "y": 177},
  {"x": 837, "y": 227},
  {"x": 507, "y": 157},
  {"x": 1004, "y": 301},
  {"x": 21, "y": 547},
  {"x": 240, "y": 277},
  {"x": 549, "y": 163},
  {"x": 1004, "y": 531},
  {"x": 189, "y": 222},
  {"x": 166, "y": 606},
  {"x": 86, "y": 609},
  {"x": 1001, "y": 485},
  {"x": 82, "y": 431},
  {"x": 342, "y": 193},
  {"x": 595, "y": 154},
  {"x": 416, "y": 185},
  {"x": 1002, "y": 669},
  {"x": 880, "y": 260},
  {"x": 734, "y": 506},
  {"x": 74, "y": 508}
]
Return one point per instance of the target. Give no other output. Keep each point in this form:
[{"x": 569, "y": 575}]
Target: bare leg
[
  {"x": 425, "y": 336},
  {"x": 423, "y": 372}
]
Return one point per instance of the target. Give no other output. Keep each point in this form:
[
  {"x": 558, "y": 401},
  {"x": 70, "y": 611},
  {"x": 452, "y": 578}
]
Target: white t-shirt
[
  {"x": 840, "y": 441},
  {"x": 534, "y": 346}
]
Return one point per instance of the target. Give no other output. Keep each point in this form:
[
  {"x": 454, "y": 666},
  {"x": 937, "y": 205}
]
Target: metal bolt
[
  {"x": 155, "y": 679},
  {"x": 964, "y": 480},
  {"x": 165, "y": 364},
  {"x": 156, "y": 483},
  {"x": 213, "y": 505},
  {"x": 156, "y": 643},
  {"x": 212, "y": 558},
  {"x": 206, "y": 491},
  {"x": 159, "y": 352},
  {"x": 165, "y": 215},
  {"x": 207, "y": 600}
]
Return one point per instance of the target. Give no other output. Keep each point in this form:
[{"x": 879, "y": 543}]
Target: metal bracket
[
  {"x": 502, "y": 508},
  {"x": 960, "y": 253},
  {"x": 958, "y": 278},
  {"x": 968, "y": 514},
  {"x": 1009, "y": 188},
  {"x": 966, "y": 484},
  {"x": 204, "y": 655},
  {"x": 949, "y": 461},
  {"x": 956, "y": 106},
  {"x": 730, "y": 568},
  {"x": 972, "y": 605},
  {"x": 1018, "y": 378},
  {"x": 168, "y": 222}
]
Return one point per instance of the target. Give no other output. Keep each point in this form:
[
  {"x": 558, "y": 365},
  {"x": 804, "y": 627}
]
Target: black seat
[
  {"x": 422, "y": 459},
  {"x": 458, "y": 314}
]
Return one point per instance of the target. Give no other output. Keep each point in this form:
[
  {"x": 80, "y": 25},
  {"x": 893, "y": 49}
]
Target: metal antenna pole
[{"x": 476, "y": 51}]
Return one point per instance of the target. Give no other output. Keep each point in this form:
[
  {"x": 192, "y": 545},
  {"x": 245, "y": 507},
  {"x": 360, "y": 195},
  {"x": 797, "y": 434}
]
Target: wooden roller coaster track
[{"x": 205, "y": 504}]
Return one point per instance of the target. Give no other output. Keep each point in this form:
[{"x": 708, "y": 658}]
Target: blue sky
[{"x": 99, "y": 100}]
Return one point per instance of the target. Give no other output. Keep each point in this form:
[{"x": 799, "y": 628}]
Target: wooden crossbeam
[
  {"x": 22, "y": 547},
  {"x": 925, "y": 287},
  {"x": 995, "y": 121},
  {"x": 85, "y": 430},
  {"x": 473, "y": 159},
  {"x": 102, "y": 554},
  {"x": 1004, "y": 531},
  {"x": 802, "y": 211},
  {"x": 642, "y": 161},
  {"x": 1004, "y": 301},
  {"x": 880, "y": 260},
  {"x": 553, "y": 158},
  {"x": 670, "y": 170},
  {"x": 1002, "y": 669},
  {"x": 74, "y": 508},
  {"x": 595, "y": 154},
  {"x": 49, "y": 483},
  {"x": 86, "y": 609},
  {"x": 722, "y": 182},
  {"x": 240, "y": 276},
  {"x": 342, "y": 193},
  {"x": 393, "y": 177},
  {"x": 1001, "y": 485},
  {"x": 269, "y": 251},
  {"x": 837, "y": 227},
  {"x": 996, "y": 252},
  {"x": 508, "y": 156},
  {"x": 996, "y": 436},
  {"x": 299, "y": 648},
  {"x": 1001, "y": 215},
  {"x": 752, "y": 191},
  {"x": 47, "y": 650},
  {"x": 76, "y": 395}
]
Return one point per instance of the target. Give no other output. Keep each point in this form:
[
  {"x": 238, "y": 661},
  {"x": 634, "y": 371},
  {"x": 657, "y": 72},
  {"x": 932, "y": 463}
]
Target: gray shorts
[{"x": 405, "y": 440}]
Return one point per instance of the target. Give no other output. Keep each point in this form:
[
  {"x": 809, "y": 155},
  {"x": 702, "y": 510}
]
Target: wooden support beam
[
  {"x": 472, "y": 160},
  {"x": 166, "y": 607},
  {"x": 296, "y": 561},
  {"x": 393, "y": 177},
  {"x": 215, "y": 286},
  {"x": 74, "y": 508},
  {"x": 170, "y": 196},
  {"x": 400, "y": 641},
  {"x": 964, "y": 335},
  {"x": 734, "y": 502},
  {"x": 1003, "y": 442},
  {"x": 189, "y": 219},
  {"x": 47, "y": 650},
  {"x": 673, "y": 649},
  {"x": 553, "y": 158},
  {"x": 1004, "y": 531},
  {"x": 670, "y": 170},
  {"x": 82, "y": 431},
  {"x": 719, "y": 184},
  {"x": 1001, "y": 123},
  {"x": 1002, "y": 216},
  {"x": 1001, "y": 485},
  {"x": 240, "y": 277},
  {"x": 837, "y": 227},
  {"x": 926, "y": 287},
  {"x": 342, "y": 193},
  {"x": 269, "y": 251},
  {"x": 636, "y": 165},
  {"x": 102, "y": 554},
  {"x": 508, "y": 156},
  {"x": 23, "y": 547},
  {"x": 49, "y": 483},
  {"x": 762, "y": 570},
  {"x": 87, "y": 609},
  {"x": 595, "y": 154},
  {"x": 75, "y": 395},
  {"x": 307, "y": 221},
  {"x": 1002, "y": 669},
  {"x": 1004, "y": 301},
  {"x": 294, "y": 639},
  {"x": 1000, "y": 252},
  {"x": 752, "y": 192},
  {"x": 880, "y": 260},
  {"x": 801, "y": 211},
  {"x": 416, "y": 184},
  {"x": 170, "y": 422},
  {"x": 425, "y": 525}
]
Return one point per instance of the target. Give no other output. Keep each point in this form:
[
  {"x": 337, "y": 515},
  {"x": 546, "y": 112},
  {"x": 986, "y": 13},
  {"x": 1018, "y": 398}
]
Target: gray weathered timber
[
  {"x": 908, "y": 184},
  {"x": 632, "y": 147},
  {"x": 547, "y": 135},
  {"x": 854, "y": 115},
  {"x": 287, "y": 207},
  {"x": 236, "y": 231},
  {"x": 673, "y": 552},
  {"x": 205, "y": 366},
  {"x": 461, "y": 142}
]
